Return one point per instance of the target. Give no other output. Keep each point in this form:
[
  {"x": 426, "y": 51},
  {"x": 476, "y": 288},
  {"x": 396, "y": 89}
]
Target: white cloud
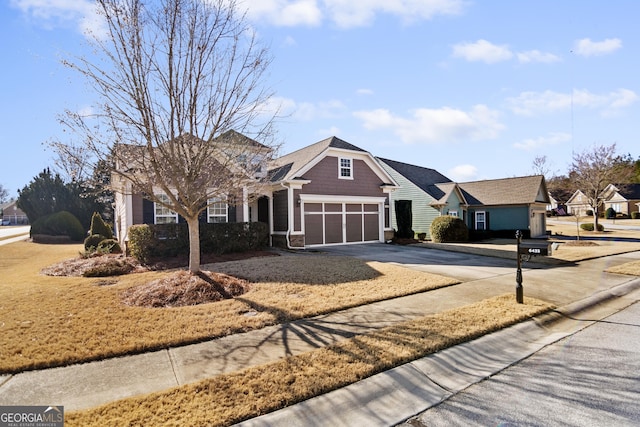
[
  {"x": 483, "y": 51},
  {"x": 532, "y": 103},
  {"x": 81, "y": 14},
  {"x": 285, "y": 13},
  {"x": 543, "y": 141},
  {"x": 358, "y": 13},
  {"x": 431, "y": 126},
  {"x": 364, "y": 92},
  {"x": 303, "y": 111},
  {"x": 537, "y": 56},
  {"x": 586, "y": 47},
  {"x": 463, "y": 173},
  {"x": 347, "y": 13}
]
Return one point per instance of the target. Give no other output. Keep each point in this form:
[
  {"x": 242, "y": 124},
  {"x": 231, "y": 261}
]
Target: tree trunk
[
  {"x": 194, "y": 244},
  {"x": 595, "y": 219}
]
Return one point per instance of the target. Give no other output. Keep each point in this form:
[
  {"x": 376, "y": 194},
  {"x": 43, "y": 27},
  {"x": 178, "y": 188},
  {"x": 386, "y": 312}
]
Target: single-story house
[
  {"x": 11, "y": 214},
  {"x": 327, "y": 193},
  {"x": 578, "y": 204},
  {"x": 623, "y": 200},
  {"x": 504, "y": 205}
]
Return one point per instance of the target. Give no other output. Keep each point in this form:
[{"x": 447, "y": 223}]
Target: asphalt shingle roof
[
  {"x": 506, "y": 191},
  {"x": 424, "y": 178},
  {"x": 287, "y": 166}
]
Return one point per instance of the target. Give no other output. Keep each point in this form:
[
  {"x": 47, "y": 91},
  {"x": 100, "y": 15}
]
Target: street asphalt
[{"x": 585, "y": 294}]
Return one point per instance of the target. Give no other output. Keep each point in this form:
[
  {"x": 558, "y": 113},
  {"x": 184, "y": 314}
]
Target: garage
[{"x": 340, "y": 222}]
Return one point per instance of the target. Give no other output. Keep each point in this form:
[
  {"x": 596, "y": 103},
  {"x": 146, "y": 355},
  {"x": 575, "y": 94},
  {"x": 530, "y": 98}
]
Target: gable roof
[
  {"x": 424, "y": 178},
  {"x": 506, "y": 191},
  {"x": 287, "y": 166}
]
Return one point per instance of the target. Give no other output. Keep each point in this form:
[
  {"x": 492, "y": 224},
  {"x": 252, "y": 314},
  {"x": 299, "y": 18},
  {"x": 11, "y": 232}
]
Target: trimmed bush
[
  {"x": 635, "y": 215},
  {"x": 140, "y": 243},
  {"x": 99, "y": 227},
  {"x": 92, "y": 242},
  {"x": 610, "y": 213},
  {"x": 60, "y": 223},
  {"x": 590, "y": 227},
  {"x": 449, "y": 229},
  {"x": 108, "y": 246}
]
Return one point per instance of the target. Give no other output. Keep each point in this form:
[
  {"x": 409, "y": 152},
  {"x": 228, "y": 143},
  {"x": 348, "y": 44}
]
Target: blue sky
[{"x": 473, "y": 89}]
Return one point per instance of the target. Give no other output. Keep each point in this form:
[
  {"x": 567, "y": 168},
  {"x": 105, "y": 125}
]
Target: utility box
[{"x": 535, "y": 248}]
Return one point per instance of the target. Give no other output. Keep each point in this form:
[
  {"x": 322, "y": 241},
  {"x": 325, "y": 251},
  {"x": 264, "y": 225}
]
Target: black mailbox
[{"x": 535, "y": 248}]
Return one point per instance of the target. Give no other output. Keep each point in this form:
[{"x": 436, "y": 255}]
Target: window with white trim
[
  {"x": 345, "y": 168},
  {"x": 453, "y": 213},
  {"x": 481, "y": 220},
  {"x": 162, "y": 214},
  {"x": 217, "y": 211}
]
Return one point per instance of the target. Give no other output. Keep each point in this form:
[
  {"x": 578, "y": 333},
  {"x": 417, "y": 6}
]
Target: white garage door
[{"x": 331, "y": 223}]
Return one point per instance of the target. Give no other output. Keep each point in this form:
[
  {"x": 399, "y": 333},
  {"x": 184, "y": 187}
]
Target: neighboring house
[
  {"x": 500, "y": 206},
  {"x": 329, "y": 193},
  {"x": 132, "y": 207},
  {"x": 623, "y": 200},
  {"x": 11, "y": 214},
  {"x": 578, "y": 204},
  {"x": 505, "y": 205},
  {"x": 418, "y": 191}
]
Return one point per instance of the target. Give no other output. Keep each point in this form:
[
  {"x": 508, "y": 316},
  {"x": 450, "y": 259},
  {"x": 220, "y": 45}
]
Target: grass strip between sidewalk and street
[{"x": 229, "y": 398}]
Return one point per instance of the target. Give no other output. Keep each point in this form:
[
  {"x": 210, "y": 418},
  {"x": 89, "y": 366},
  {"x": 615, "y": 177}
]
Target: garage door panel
[
  {"x": 333, "y": 228},
  {"x": 313, "y": 230},
  {"x": 354, "y": 228},
  {"x": 371, "y": 230}
]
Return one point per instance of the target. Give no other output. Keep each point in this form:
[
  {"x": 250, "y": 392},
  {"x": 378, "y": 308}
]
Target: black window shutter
[{"x": 147, "y": 211}]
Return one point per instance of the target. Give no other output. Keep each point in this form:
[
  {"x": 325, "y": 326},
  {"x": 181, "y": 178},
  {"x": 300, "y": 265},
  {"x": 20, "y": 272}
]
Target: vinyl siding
[{"x": 423, "y": 214}]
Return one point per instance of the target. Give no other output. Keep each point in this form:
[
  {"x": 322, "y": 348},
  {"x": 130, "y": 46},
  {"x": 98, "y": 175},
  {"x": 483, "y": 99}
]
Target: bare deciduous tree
[
  {"x": 174, "y": 79},
  {"x": 593, "y": 170}
]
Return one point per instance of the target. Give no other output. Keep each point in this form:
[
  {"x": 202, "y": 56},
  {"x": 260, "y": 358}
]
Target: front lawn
[{"x": 53, "y": 321}]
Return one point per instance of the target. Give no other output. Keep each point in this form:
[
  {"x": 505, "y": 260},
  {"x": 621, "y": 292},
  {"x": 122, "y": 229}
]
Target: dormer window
[{"x": 345, "y": 168}]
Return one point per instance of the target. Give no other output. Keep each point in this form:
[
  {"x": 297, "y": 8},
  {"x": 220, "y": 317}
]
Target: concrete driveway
[{"x": 461, "y": 266}]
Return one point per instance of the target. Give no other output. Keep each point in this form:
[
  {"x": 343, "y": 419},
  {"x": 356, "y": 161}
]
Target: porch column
[{"x": 245, "y": 205}]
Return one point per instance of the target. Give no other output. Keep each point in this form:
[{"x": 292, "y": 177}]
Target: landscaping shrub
[
  {"x": 635, "y": 215},
  {"x": 140, "y": 242},
  {"x": 108, "y": 246},
  {"x": 114, "y": 267},
  {"x": 60, "y": 223},
  {"x": 98, "y": 233},
  {"x": 166, "y": 240},
  {"x": 99, "y": 227},
  {"x": 610, "y": 213},
  {"x": 449, "y": 229},
  {"x": 589, "y": 212},
  {"x": 590, "y": 227}
]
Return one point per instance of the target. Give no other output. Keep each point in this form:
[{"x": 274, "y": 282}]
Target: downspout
[{"x": 288, "y": 227}]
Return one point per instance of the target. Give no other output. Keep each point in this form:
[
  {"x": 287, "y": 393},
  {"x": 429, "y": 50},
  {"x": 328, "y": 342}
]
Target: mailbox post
[
  {"x": 527, "y": 249},
  {"x": 519, "y": 290}
]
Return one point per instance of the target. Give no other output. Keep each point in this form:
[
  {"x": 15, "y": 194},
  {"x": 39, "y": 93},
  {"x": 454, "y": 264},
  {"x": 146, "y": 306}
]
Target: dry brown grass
[
  {"x": 52, "y": 321},
  {"x": 629, "y": 268},
  {"x": 230, "y": 398}
]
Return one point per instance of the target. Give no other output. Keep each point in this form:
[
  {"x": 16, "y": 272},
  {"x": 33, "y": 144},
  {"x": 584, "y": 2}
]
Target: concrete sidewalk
[{"x": 574, "y": 288}]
